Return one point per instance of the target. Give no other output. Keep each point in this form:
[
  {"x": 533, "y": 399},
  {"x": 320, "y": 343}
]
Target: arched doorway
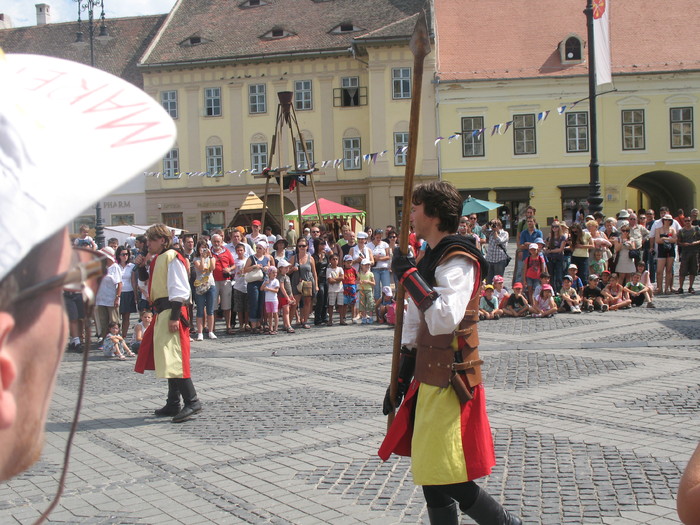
[{"x": 666, "y": 188}]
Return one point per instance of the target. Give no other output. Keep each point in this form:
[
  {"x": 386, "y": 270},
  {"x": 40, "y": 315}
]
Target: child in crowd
[
  {"x": 545, "y": 278},
  {"x": 499, "y": 291},
  {"x": 285, "y": 297},
  {"x": 488, "y": 305},
  {"x": 646, "y": 280},
  {"x": 534, "y": 266},
  {"x": 349, "y": 288},
  {"x": 597, "y": 264},
  {"x": 639, "y": 293},
  {"x": 604, "y": 279},
  {"x": 615, "y": 295},
  {"x": 593, "y": 296},
  {"x": 334, "y": 278},
  {"x": 146, "y": 317},
  {"x": 576, "y": 282},
  {"x": 114, "y": 343},
  {"x": 271, "y": 286},
  {"x": 384, "y": 303},
  {"x": 517, "y": 305},
  {"x": 366, "y": 290},
  {"x": 544, "y": 305},
  {"x": 570, "y": 301}
]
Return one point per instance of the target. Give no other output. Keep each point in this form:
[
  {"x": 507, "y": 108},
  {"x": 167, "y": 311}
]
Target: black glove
[
  {"x": 400, "y": 263},
  {"x": 407, "y": 365}
]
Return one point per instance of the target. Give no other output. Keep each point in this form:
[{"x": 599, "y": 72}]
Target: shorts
[
  {"x": 532, "y": 284},
  {"x": 240, "y": 301},
  {"x": 75, "y": 307},
  {"x": 224, "y": 290},
  {"x": 638, "y": 301},
  {"x": 127, "y": 303},
  {"x": 271, "y": 307},
  {"x": 283, "y": 301},
  {"x": 665, "y": 251},
  {"x": 335, "y": 299},
  {"x": 689, "y": 263},
  {"x": 349, "y": 293}
]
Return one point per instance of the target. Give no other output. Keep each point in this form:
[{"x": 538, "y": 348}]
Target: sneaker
[
  {"x": 212, "y": 335},
  {"x": 690, "y": 290},
  {"x": 496, "y": 317},
  {"x": 604, "y": 308},
  {"x": 535, "y": 315},
  {"x": 651, "y": 305},
  {"x": 200, "y": 337},
  {"x": 679, "y": 291},
  {"x": 575, "y": 309}
]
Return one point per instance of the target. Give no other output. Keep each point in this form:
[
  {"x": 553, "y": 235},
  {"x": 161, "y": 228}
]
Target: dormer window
[
  {"x": 345, "y": 27},
  {"x": 571, "y": 50},
  {"x": 193, "y": 40},
  {"x": 277, "y": 32},
  {"x": 252, "y": 3}
]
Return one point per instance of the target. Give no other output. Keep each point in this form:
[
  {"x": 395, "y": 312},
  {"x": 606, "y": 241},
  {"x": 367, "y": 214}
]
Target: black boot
[
  {"x": 189, "y": 396},
  {"x": 172, "y": 406},
  {"x": 444, "y": 515},
  {"x": 487, "y": 511}
]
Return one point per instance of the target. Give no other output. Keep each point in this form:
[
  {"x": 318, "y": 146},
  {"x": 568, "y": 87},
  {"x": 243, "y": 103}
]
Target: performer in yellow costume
[
  {"x": 442, "y": 424},
  {"x": 166, "y": 343}
]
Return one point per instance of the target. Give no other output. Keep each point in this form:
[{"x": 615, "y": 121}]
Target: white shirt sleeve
[
  {"x": 455, "y": 284},
  {"x": 178, "y": 281}
]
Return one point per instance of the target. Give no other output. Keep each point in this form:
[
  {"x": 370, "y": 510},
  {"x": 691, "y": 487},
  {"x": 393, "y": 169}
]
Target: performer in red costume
[
  {"x": 166, "y": 343},
  {"x": 442, "y": 423}
]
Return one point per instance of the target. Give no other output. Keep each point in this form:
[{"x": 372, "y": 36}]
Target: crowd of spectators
[{"x": 264, "y": 284}]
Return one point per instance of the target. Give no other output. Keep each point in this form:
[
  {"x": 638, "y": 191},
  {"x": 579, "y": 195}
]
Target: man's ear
[{"x": 8, "y": 372}]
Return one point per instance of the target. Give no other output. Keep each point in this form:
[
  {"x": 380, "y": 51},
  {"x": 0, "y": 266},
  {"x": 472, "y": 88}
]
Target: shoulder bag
[{"x": 253, "y": 276}]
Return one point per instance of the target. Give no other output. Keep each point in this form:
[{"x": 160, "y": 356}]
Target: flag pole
[{"x": 595, "y": 200}]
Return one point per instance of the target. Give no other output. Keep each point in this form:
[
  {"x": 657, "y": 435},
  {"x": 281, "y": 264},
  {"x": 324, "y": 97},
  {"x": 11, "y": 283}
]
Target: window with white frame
[
  {"x": 401, "y": 82},
  {"x": 472, "y": 144},
  {"x": 301, "y": 159},
  {"x": 351, "y": 154},
  {"x": 576, "y": 132},
  {"x": 400, "y": 142},
  {"x": 524, "y": 139},
  {"x": 257, "y": 102},
  {"x": 302, "y": 95},
  {"x": 258, "y": 156},
  {"x": 168, "y": 100},
  {"x": 171, "y": 164},
  {"x": 633, "y": 129},
  {"x": 215, "y": 160},
  {"x": 682, "y": 128},
  {"x": 350, "y": 91},
  {"x": 212, "y": 102}
]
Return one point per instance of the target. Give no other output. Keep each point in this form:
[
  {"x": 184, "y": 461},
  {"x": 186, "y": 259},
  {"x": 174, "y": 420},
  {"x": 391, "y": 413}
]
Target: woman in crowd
[
  {"x": 665, "y": 239},
  {"x": 625, "y": 266},
  {"x": 303, "y": 270},
  {"x": 205, "y": 288},
  {"x": 496, "y": 254},
  {"x": 257, "y": 265},
  {"x": 279, "y": 250},
  {"x": 382, "y": 260},
  {"x": 581, "y": 243},
  {"x": 333, "y": 245},
  {"x": 554, "y": 249},
  {"x": 600, "y": 240},
  {"x": 321, "y": 263},
  {"x": 127, "y": 298}
]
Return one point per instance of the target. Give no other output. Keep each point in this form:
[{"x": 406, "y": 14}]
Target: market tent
[
  {"x": 122, "y": 231},
  {"x": 329, "y": 210},
  {"x": 250, "y": 210}
]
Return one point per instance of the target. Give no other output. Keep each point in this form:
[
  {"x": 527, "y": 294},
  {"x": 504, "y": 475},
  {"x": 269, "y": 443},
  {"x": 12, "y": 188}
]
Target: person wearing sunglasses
[{"x": 42, "y": 165}]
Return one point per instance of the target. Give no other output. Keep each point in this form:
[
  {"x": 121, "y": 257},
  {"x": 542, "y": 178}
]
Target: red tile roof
[
  {"x": 492, "y": 39},
  {"x": 233, "y": 33},
  {"x": 117, "y": 54}
]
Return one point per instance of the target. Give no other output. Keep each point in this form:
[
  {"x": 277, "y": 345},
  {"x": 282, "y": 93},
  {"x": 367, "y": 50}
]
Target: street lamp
[
  {"x": 595, "y": 200},
  {"x": 89, "y": 6}
]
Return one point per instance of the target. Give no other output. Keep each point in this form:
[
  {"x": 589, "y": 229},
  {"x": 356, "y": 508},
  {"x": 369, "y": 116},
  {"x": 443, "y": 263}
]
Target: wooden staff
[{"x": 420, "y": 47}]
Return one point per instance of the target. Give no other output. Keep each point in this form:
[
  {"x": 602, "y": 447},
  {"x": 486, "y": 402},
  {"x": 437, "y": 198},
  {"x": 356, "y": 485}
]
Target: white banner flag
[{"x": 601, "y": 34}]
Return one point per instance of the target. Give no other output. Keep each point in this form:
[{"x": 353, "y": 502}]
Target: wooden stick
[{"x": 420, "y": 47}]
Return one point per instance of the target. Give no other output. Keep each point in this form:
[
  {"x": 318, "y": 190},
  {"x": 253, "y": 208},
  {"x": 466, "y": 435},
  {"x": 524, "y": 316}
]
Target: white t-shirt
[
  {"x": 238, "y": 279},
  {"x": 107, "y": 292},
  {"x": 126, "y": 277},
  {"x": 271, "y": 297},
  {"x": 379, "y": 250},
  {"x": 333, "y": 273}
]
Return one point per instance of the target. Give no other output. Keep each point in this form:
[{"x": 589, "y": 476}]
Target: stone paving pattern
[{"x": 594, "y": 417}]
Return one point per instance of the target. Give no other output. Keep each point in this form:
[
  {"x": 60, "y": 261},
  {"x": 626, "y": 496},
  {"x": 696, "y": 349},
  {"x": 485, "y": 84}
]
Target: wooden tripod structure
[{"x": 287, "y": 116}]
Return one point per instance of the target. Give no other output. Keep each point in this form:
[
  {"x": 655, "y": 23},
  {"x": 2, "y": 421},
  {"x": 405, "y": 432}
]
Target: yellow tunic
[{"x": 167, "y": 348}]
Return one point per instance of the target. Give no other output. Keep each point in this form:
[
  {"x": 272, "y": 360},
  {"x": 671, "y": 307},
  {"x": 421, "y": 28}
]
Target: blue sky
[{"x": 23, "y": 12}]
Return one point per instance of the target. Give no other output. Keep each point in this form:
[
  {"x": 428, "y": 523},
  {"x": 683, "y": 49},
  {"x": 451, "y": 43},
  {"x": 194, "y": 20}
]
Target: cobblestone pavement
[{"x": 594, "y": 417}]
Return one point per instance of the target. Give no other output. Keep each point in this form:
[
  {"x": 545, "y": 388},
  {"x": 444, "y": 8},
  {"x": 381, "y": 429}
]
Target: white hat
[
  {"x": 365, "y": 261},
  {"x": 533, "y": 246},
  {"x": 362, "y": 235},
  {"x": 283, "y": 263},
  {"x": 387, "y": 291},
  {"x": 109, "y": 252},
  {"x": 69, "y": 135},
  {"x": 347, "y": 258},
  {"x": 261, "y": 243}
]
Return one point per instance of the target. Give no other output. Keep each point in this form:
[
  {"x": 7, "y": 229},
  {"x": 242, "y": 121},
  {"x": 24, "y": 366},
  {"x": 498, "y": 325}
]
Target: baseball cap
[
  {"x": 547, "y": 287},
  {"x": 387, "y": 291},
  {"x": 365, "y": 261},
  {"x": 593, "y": 277},
  {"x": 347, "y": 258},
  {"x": 497, "y": 278},
  {"x": 568, "y": 278},
  {"x": 45, "y": 103},
  {"x": 488, "y": 287},
  {"x": 533, "y": 246},
  {"x": 573, "y": 266},
  {"x": 517, "y": 285},
  {"x": 283, "y": 263},
  {"x": 256, "y": 222}
]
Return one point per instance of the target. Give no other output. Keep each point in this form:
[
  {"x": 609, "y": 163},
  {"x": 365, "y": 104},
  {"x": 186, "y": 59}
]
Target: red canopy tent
[{"x": 330, "y": 211}]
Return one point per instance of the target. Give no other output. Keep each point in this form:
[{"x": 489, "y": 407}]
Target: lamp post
[
  {"x": 595, "y": 200},
  {"x": 89, "y": 6}
]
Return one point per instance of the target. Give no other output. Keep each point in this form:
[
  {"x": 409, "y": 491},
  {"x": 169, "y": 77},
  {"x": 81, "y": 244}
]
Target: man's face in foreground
[{"x": 33, "y": 355}]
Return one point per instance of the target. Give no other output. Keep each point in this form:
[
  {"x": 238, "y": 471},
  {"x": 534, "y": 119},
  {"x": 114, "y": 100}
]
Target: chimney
[
  {"x": 43, "y": 14},
  {"x": 5, "y": 21}
]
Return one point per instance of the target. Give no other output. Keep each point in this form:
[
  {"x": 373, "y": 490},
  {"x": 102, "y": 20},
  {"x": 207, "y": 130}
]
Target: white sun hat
[{"x": 69, "y": 135}]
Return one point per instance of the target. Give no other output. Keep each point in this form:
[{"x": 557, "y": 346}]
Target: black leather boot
[
  {"x": 172, "y": 406},
  {"x": 189, "y": 396},
  {"x": 444, "y": 515},
  {"x": 487, "y": 511}
]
